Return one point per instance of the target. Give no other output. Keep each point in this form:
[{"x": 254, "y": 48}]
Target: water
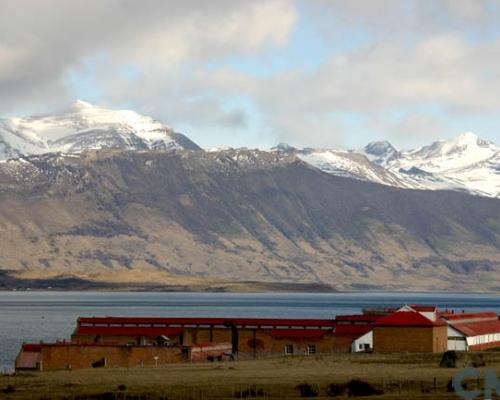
[{"x": 34, "y": 316}]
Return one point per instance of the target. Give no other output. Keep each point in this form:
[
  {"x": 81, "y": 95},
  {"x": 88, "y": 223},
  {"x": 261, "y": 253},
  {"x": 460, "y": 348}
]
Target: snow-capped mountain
[
  {"x": 350, "y": 165},
  {"x": 85, "y": 126},
  {"x": 459, "y": 152},
  {"x": 465, "y": 162}
]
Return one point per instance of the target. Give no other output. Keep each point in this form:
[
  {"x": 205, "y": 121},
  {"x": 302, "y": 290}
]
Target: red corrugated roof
[
  {"x": 353, "y": 331},
  {"x": 407, "y": 318},
  {"x": 205, "y": 321},
  {"x": 454, "y": 317},
  {"x": 303, "y": 333},
  {"x": 30, "y": 347},
  {"x": 358, "y": 317},
  {"x": 423, "y": 308},
  {"x": 478, "y": 328},
  {"x": 126, "y": 331}
]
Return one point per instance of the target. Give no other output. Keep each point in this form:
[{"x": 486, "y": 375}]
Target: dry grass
[{"x": 399, "y": 376}]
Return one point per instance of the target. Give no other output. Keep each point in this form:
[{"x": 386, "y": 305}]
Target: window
[
  {"x": 311, "y": 349},
  {"x": 289, "y": 349},
  {"x": 361, "y": 346}
]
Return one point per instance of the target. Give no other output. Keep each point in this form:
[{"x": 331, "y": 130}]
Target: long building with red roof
[
  {"x": 126, "y": 341},
  {"x": 249, "y": 336},
  {"x": 472, "y": 331}
]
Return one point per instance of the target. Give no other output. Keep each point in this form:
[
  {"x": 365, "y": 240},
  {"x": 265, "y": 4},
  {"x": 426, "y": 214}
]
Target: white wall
[
  {"x": 360, "y": 343},
  {"x": 457, "y": 344},
  {"x": 456, "y": 340},
  {"x": 483, "y": 339}
]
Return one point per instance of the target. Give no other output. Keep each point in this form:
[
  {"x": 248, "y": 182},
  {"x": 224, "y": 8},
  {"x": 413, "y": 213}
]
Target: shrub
[
  {"x": 335, "y": 389},
  {"x": 306, "y": 390},
  {"x": 8, "y": 389},
  {"x": 358, "y": 388},
  {"x": 449, "y": 359}
]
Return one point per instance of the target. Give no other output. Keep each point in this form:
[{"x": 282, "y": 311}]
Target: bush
[
  {"x": 479, "y": 362},
  {"x": 306, "y": 390},
  {"x": 449, "y": 359},
  {"x": 358, "y": 388},
  {"x": 8, "y": 389},
  {"x": 335, "y": 389}
]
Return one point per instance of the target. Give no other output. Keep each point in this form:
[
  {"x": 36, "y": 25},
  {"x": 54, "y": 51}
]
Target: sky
[{"x": 241, "y": 73}]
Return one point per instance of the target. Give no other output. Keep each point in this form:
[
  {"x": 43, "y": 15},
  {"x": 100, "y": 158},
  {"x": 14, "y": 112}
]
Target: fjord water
[{"x": 31, "y": 316}]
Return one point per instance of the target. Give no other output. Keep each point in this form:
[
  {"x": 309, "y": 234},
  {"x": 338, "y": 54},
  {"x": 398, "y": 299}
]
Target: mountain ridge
[
  {"x": 186, "y": 217},
  {"x": 463, "y": 163}
]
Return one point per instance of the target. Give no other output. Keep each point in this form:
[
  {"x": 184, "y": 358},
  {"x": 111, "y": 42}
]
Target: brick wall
[
  {"x": 258, "y": 341},
  {"x": 389, "y": 339},
  {"x": 261, "y": 342},
  {"x": 69, "y": 356}
]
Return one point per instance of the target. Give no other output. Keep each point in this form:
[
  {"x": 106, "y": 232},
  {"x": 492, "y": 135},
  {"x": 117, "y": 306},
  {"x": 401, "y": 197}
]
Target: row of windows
[
  {"x": 289, "y": 350},
  {"x": 488, "y": 338}
]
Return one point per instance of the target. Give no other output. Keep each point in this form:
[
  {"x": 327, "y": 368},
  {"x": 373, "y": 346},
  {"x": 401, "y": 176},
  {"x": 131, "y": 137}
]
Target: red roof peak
[
  {"x": 407, "y": 318},
  {"x": 421, "y": 307}
]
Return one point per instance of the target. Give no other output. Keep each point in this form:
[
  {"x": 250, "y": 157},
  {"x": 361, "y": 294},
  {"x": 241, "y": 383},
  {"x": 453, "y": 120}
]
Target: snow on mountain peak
[
  {"x": 461, "y": 151},
  {"x": 464, "y": 141},
  {"x": 86, "y": 126},
  {"x": 466, "y": 137},
  {"x": 380, "y": 152},
  {"x": 284, "y": 147},
  {"x": 465, "y": 162},
  {"x": 379, "y": 148},
  {"x": 80, "y": 104}
]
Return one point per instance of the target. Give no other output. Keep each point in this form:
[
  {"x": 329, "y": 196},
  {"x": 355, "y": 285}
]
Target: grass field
[{"x": 394, "y": 376}]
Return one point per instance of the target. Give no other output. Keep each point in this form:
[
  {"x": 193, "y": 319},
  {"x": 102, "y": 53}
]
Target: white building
[
  {"x": 363, "y": 343},
  {"x": 472, "y": 331}
]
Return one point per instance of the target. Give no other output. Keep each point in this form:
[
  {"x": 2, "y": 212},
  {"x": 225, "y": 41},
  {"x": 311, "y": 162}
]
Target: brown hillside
[{"x": 210, "y": 219}]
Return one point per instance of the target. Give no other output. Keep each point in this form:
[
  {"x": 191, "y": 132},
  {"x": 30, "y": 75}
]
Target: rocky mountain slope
[
  {"x": 192, "y": 218},
  {"x": 85, "y": 126}
]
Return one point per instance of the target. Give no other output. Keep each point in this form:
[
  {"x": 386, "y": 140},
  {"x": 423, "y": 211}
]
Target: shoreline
[
  {"x": 11, "y": 283},
  {"x": 195, "y": 289}
]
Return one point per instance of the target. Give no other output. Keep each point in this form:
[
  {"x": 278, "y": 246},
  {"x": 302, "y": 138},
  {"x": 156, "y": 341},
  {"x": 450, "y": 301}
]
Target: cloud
[
  {"x": 40, "y": 41},
  {"x": 468, "y": 9},
  {"x": 390, "y": 67},
  {"x": 444, "y": 72},
  {"x": 205, "y": 112}
]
